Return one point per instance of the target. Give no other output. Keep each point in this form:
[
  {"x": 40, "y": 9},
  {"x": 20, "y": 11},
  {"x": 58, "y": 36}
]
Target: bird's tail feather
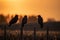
[
  {"x": 9, "y": 25},
  {"x": 22, "y": 25},
  {"x": 41, "y": 26}
]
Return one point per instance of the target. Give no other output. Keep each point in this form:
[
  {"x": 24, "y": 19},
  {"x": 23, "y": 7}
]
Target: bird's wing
[{"x": 25, "y": 20}]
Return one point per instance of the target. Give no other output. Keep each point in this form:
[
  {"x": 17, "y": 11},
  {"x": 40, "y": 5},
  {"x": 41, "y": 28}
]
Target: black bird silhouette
[
  {"x": 13, "y": 20},
  {"x": 24, "y": 20},
  {"x": 40, "y": 21}
]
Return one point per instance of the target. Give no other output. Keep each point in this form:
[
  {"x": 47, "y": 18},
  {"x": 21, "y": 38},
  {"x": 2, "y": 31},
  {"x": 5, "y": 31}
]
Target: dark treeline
[
  {"x": 55, "y": 26},
  {"x": 31, "y": 19}
]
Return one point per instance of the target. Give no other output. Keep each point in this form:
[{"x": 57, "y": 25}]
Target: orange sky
[{"x": 46, "y": 8}]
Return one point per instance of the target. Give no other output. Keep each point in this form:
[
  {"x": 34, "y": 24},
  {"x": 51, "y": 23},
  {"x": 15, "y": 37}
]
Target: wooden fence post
[
  {"x": 4, "y": 32},
  {"x": 47, "y": 32},
  {"x": 21, "y": 31},
  {"x": 34, "y": 33}
]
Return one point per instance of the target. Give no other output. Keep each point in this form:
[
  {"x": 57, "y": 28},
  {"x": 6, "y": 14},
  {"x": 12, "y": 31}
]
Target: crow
[
  {"x": 13, "y": 20},
  {"x": 24, "y": 20},
  {"x": 40, "y": 21}
]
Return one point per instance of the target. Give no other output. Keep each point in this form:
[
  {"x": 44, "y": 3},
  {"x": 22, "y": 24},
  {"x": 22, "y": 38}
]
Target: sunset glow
[{"x": 45, "y": 8}]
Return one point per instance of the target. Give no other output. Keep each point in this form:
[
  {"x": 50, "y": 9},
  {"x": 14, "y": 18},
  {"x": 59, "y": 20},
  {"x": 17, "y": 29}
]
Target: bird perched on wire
[
  {"x": 40, "y": 21},
  {"x": 13, "y": 20},
  {"x": 24, "y": 21}
]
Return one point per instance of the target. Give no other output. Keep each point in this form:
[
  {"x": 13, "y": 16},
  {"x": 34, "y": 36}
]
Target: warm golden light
[{"x": 45, "y": 8}]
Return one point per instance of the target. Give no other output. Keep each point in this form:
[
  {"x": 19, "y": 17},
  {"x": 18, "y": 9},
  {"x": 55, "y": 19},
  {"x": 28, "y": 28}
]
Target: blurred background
[{"x": 48, "y": 9}]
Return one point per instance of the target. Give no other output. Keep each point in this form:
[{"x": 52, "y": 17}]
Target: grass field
[{"x": 29, "y": 35}]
